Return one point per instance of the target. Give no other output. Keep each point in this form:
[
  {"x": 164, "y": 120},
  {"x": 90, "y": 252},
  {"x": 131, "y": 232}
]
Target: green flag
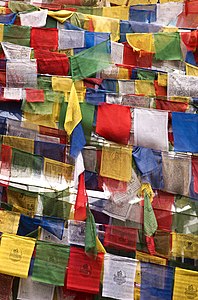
[
  {"x": 50, "y": 263},
  {"x": 167, "y": 46},
  {"x": 145, "y": 75},
  {"x": 15, "y": 34},
  {"x": 91, "y": 61},
  {"x": 150, "y": 223},
  {"x": 90, "y": 234}
]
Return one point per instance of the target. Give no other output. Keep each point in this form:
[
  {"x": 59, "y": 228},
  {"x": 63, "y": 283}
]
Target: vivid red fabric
[
  {"x": 54, "y": 132},
  {"x": 6, "y": 159},
  {"x": 190, "y": 39},
  {"x": 162, "y": 206},
  {"x": 195, "y": 172},
  {"x": 187, "y": 21},
  {"x": 113, "y": 185},
  {"x": 171, "y": 105},
  {"x": 91, "y": 82},
  {"x": 114, "y": 122},
  {"x": 44, "y": 38},
  {"x": 119, "y": 237},
  {"x": 160, "y": 90},
  {"x": 136, "y": 58},
  {"x": 81, "y": 200},
  {"x": 3, "y": 78},
  {"x": 84, "y": 271},
  {"x": 52, "y": 63},
  {"x": 33, "y": 95},
  {"x": 150, "y": 244}
]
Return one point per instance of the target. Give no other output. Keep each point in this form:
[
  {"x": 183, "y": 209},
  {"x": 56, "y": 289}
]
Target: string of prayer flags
[
  {"x": 119, "y": 277},
  {"x": 50, "y": 263},
  {"x": 114, "y": 122},
  {"x": 15, "y": 255},
  {"x": 90, "y": 61},
  {"x": 84, "y": 271}
]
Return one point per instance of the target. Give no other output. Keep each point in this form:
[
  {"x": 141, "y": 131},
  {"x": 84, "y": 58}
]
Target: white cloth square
[
  {"x": 151, "y": 129},
  {"x": 69, "y": 39},
  {"x": 33, "y": 290},
  {"x": 76, "y": 232},
  {"x": 126, "y": 87},
  {"x": 117, "y": 51},
  {"x": 13, "y": 51},
  {"x": 34, "y": 19},
  {"x": 119, "y": 276},
  {"x": 182, "y": 85}
]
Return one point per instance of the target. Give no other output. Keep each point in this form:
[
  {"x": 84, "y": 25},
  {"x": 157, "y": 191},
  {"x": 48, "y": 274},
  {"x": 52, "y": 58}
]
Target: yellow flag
[
  {"x": 104, "y": 24},
  {"x": 146, "y": 187},
  {"x": 185, "y": 285},
  {"x": 162, "y": 79},
  {"x": 145, "y": 87},
  {"x": 9, "y": 221},
  {"x": 117, "y": 12},
  {"x": 141, "y": 41},
  {"x": 191, "y": 70},
  {"x": 137, "y": 2},
  {"x": 116, "y": 163},
  {"x": 185, "y": 245},
  {"x": 123, "y": 73},
  {"x": 55, "y": 169},
  {"x": 60, "y": 15},
  {"x": 43, "y": 120},
  {"x": 99, "y": 246},
  {"x": 170, "y": 29},
  {"x": 15, "y": 255},
  {"x": 64, "y": 84},
  {"x": 1, "y": 32},
  {"x": 23, "y": 144},
  {"x": 73, "y": 114}
]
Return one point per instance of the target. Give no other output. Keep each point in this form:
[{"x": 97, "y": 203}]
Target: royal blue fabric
[
  {"x": 70, "y": 26},
  {"x": 8, "y": 19},
  {"x": 143, "y": 13},
  {"x": 52, "y": 225},
  {"x": 109, "y": 85},
  {"x": 185, "y": 132},
  {"x": 156, "y": 282},
  {"x": 50, "y": 150},
  {"x": 92, "y": 39},
  {"x": 27, "y": 225},
  {"x": 95, "y": 97},
  {"x": 78, "y": 140},
  {"x": 190, "y": 59}
]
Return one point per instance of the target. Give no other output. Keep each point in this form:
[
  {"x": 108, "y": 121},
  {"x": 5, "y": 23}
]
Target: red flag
[
  {"x": 81, "y": 200},
  {"x": 33, "y": 95},
  {"x": 150, "y": 244},
  {"x": 195, "y": 172}
]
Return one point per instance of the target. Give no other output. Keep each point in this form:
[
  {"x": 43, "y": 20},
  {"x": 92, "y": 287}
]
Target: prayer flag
[
  {"x": 90, "y": 234},
  {"x": 185, "y": 284},
  {"x": 81, "y": 200},
  {"x": 150, "y": 223}
]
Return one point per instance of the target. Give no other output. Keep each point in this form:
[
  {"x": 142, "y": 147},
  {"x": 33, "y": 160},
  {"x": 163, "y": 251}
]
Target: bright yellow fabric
[
  {"x": 123, "y": 73},
  {"x": 22, "y": 203},
  {"x": 162, "y": 79},
  {"x": 99, "y": 246},
  {"x": 73, "y": 114},
  {"x": 15, "y": 255},
  {"x": 180, "y": 99},
  {"x": 191, "y": 70},
  {"x": 9, "y": 221},
  {"x": 103, "y": 24},
  {"x": 145, "y": 87},
  {"x": 63, "y": 84},
  {"x": 56, "y": 169},
  {"x": 141, "y": 41},
  {"x": 185, "y": 285},
  {"x": 165, "y": 1},
  {"x": 185, "y": 245},
  {"x": 60, "y": 15},
  {"x": 2, "y": 10},
  {"x": 117, "y": 12},
  {"x": 119, "y": 2},
  {"x": 23, "y": 144},
  {"x": 146, "y": 187},
  {"x": 136, "y": 2},
  {"x": 116, "y": 163},
  {"x": 1, "y": 32},
  {"x": 170, "y": 29},
  {"x": 146, "y": 258},
  {"x": 44, "y": 120}
]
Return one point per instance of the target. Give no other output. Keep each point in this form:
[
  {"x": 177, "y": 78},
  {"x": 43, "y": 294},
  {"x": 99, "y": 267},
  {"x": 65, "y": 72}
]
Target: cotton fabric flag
[
  {"x": 90, "y": 61},
  {"x": 19, "y": 143},
  {"x": 191, "y": 70},
  {"x": 195, "y": 172},
  {"x": 167, "y": 46},
  {"x": 182, "y": 124},
  {"x": 29, "y": 289},
  {"x": 13, "y": 51},
  {"x": 15, "y": 255},
  {"x": 156, "y": 281},
  {"x": 9, "y": 222},
  {"x": 34, "y": 19},
  {"x": 151, "y": 129},
  {"x": 141, "y": 41},
  {"x": 50, "y": 263},
  {"x": 78, "y": 140},
  {"x": 44, "y": 38},
  {"x": 182, "y": 85},
  {"x": 6, "y": 160},
  {"x": 90, "y": 234},
  {"x": 150, "y": 222},
  {"x": 76, "y": 232},
  {"x": 116, "y": 163},
  {"x": 184, "y": 245},
  {"x": 145, "y": 87},
  {"x": 119, "y": 276},
  {"x": 81, "y": 200},
  {"x": 185, "y": 284},
  {"x": 114, "y": 122},
  {"x": 84, "y": 271},
  {"x": 126, "y": 87},
  {"x": 15, "y": 34},
  {"x": 69, "y": 39},
  {"x": 117, "y": 12},
  {"x": 73, "y": 114}
]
